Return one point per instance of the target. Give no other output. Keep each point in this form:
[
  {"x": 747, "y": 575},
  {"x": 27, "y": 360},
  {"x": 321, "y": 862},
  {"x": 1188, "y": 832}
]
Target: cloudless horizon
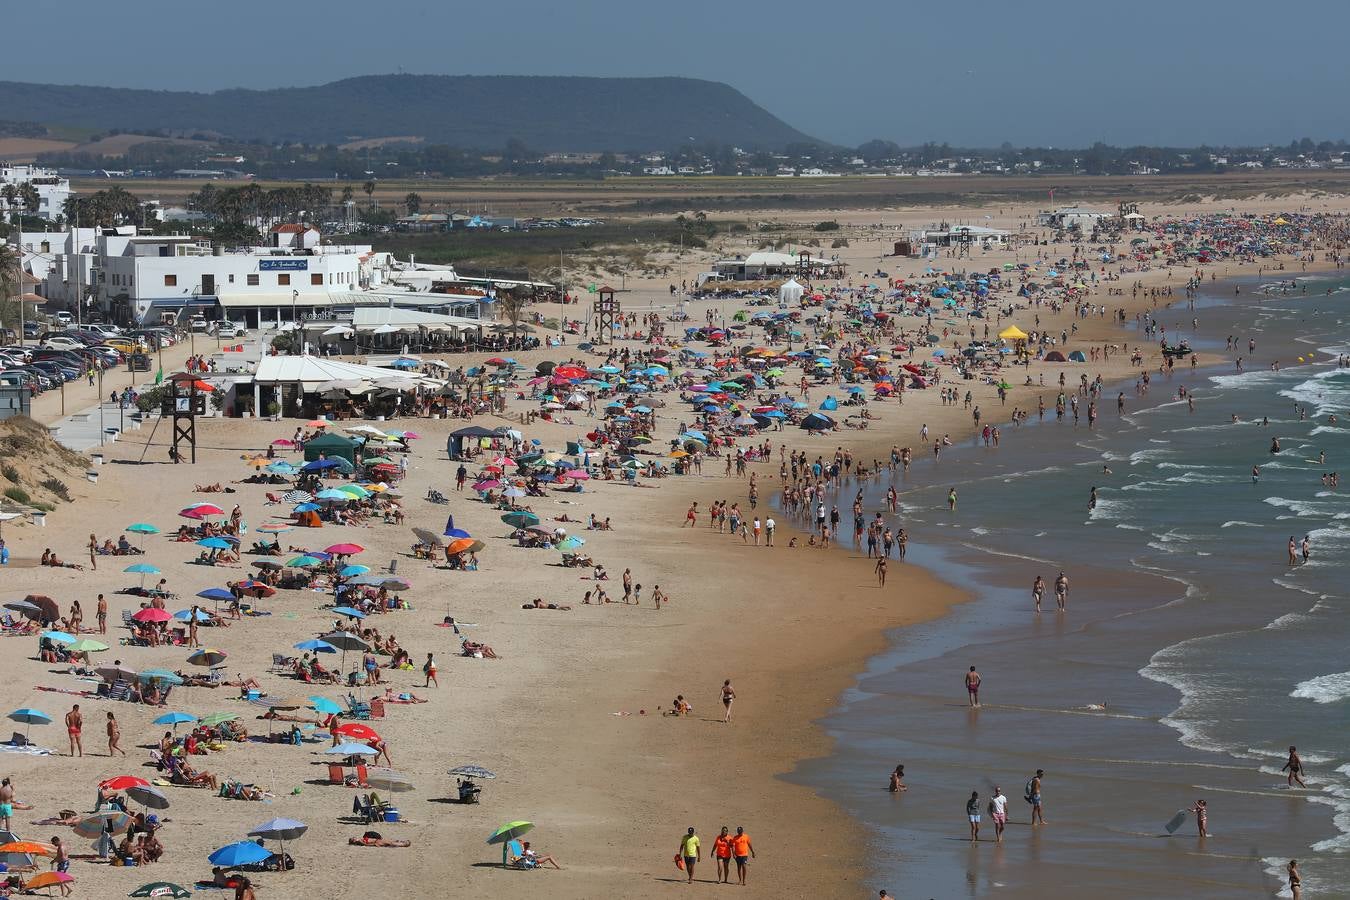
[{"x": 1050, "y": 73}]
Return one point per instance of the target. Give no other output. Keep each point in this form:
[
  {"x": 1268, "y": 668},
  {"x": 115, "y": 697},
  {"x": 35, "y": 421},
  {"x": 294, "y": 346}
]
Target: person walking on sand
[
  {"x": 1038, "y": 591},
  {"x": 722, "y": 855},
  {"x": 1294, "y": 766},
  {"x": 1034, "y": 797},
  {"x": 74, "y": 722},
  {"x": 691, "y": 515},
  {"x": 114, "y": 736},
  {"x": 998, "y": 811},
  {"x": 880, "y": 569},
  {"x": 744, "y": 851},
  {"x": 973, "y": 687},
  {"x": 1062, "y": 591},
  {"x": 689, "y": 852},
  {"x": 1201, "y": 817},
  {"x": 728, "y": 697},
  {"x": 429, "y": 669},
  {"x": 973, "y": 814},
  {"x": 769, "y": 526}
]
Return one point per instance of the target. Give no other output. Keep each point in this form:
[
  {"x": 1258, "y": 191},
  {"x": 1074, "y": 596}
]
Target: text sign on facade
[{"x": 283, "y": 265}]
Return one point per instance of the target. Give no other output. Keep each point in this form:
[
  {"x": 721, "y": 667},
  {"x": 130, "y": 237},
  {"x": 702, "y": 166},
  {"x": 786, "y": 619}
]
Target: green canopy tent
[{"x": 332, "y": 446}]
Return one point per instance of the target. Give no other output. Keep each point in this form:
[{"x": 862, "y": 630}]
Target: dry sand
[{"x": 559, "y": 717}]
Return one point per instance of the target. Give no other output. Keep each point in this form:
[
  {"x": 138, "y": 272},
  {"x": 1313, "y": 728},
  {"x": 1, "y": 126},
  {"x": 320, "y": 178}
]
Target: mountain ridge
[{"x": 545, "y": 113}]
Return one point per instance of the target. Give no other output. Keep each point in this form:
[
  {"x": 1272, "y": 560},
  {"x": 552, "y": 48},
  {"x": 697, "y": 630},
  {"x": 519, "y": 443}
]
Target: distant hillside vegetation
[{"x": 482, "y": 112}]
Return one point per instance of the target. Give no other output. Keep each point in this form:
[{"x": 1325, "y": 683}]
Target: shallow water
[{"x": 1210, "y": 653}]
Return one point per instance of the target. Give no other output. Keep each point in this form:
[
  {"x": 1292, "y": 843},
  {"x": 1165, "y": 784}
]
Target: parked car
[
  {"x": 227, "y": 329},
  {"x": 31, "y": 330},
  {"x": 63, "y": 343},
  {"x": 63, "y": 318}
]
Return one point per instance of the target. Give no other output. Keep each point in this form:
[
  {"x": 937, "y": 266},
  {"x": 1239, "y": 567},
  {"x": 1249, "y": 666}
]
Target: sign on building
[{"x": 283, "y": 265}]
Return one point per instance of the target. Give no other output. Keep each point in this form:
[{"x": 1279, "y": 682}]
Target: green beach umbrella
[
  {"x": 161, "y": 889},
  {"x": 507, "y": 833},
  {"x": 302, "y": 562},
  {"x": 86, "y": 645},
  {"x": 217, "y": 718}
]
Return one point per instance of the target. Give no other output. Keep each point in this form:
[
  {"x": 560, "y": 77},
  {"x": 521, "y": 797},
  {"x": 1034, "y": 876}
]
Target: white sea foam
[
  {"x": 1298, "y": 507},
  {"x": 1237, "y": 523},
  {"x": 1108, "y": 510},
  {"x": 1324, "y": 688},
  {"x": 1152, "y": 453}
]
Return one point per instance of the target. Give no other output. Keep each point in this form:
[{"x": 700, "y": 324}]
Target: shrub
[
  {"x": 829, "y": 225},
  {"x": 10, "y": 472},
  {"x": 839, "y": 242},
  {"x": 18, "y": 495},
  {"x": 57, "y": 487}
]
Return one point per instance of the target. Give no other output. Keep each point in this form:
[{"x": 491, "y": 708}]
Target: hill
[{"x": 480, "y": 112}]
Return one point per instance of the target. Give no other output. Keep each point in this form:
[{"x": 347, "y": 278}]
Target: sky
[{"x": 973, "y": 73}]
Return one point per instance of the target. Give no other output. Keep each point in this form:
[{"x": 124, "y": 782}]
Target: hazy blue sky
[{"x": 973, "y": 72}]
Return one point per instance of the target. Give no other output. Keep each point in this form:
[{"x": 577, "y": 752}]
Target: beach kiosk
[{"x": 1017, "y": 336}]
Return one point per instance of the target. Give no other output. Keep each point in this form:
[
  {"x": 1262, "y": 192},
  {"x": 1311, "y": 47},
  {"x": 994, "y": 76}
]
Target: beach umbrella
[
  {"x": 354, "y": 490},
  {"x": 280, "y": 830},
  {"x": 123, "y": 782},
  {"x": 451, "y": 531},
  {"x": 164, "y": 676},
  {"x": 344, "y": 641},
  {"x": 392, "y": 782},
  {"x": 216, "y": 718},
  {"x": 305, "y": 561},
  {"x": 350, "y": 748},
  {"x": 142, "y": 569},
  {"x": 520, "y": 519},
  {"x": 462, "y": 545},
  {"x": 161, "y": 889},
  {"x": 87, "y": 645},
  {"x": 151, "y": 614},
  {"x": 394, "y": 582},
  {"x": 569, "y": 544},
  {"x": 351, "y": 571},
  {"x": 175, "y": 719},
  {"x": 142, "y": 528},
  {"x": 113, "y": 821},
  {"x": 148, "y": 796},
  {"x": 201, "y": 511},
  {"x": 349, "y": 612},
  {"x": 207, "y": 657},
  {"x": 30, "y": 610},
  {"x": 275, "y": 528},
  {"x": 358, "y": 730},
  {"x": 333, "y": 494},
  {"x": 255, "y": 589},
  {"x": 214, "y": 543},
  {"x": 320, "y": 465},
  {"x": 48, "y": 879},
  {"x": 297, "y": 496},
  {"x": 116, "y": 673},
  {"x": 487, "y": 484},
  {"x": 184, "y": 615},
  {"x": 324, "y": 705},
  {"x": 30, "y": 847},
  {"x": 507, "y": 833},
  {"x": 58, "y": 637},
  {"x": 29, "y": 718},
  {"x": 316, "y": 646},
  {"x": 241, "y": 853},
  {"x": 344, "y": 549},
  {"x": 46, "y": 606},
  {"x": 472, "y": 772}
]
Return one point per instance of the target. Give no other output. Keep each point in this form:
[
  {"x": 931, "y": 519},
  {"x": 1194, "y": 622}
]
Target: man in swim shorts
[
  {"x": 74, "y": 722},
  {"x": 998, "y": 811},
  {"x": 973, "y": 687}
]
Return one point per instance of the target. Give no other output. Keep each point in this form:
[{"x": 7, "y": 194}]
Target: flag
[{"x": 159, "y": 375}]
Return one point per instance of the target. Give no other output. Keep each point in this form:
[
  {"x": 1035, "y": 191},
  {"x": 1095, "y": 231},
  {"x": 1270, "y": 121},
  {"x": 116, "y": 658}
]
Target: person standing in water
[
  {"x": 1201, "y": 817},
  {"x": 1295, "y": 768},
  {"x": 898, "y": 780},
  {"x": 998, "y": 811},
  {"x": 973, "y": 814},
  {"x": 1295, "y": 880},
  {"x": 951, "y": 500},
  {"x": 973, "y": 687},
  {"x": 1062, "y": 591}
]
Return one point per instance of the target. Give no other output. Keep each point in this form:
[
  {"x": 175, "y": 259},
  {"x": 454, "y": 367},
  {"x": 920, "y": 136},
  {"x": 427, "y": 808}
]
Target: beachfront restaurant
[
  {"x": 308, "y": 386},
  {"x": 396, "y": 330}
]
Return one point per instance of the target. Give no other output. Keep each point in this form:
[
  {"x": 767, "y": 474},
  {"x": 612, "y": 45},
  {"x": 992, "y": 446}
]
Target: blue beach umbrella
[
  {"x": 242, "y": 853},
  {"x": 452, "y": 531},
  {"x": 324, "y": 705},
  {"x": 30, "y": 717},
  {"x": 315, "y": 645},
  {"x": 349, "y": 612},
  {"x": 214, "y": 543},
  {"x": 351, "y": 748},
  {"x": 349, "y": 571},
  {"x": 175, "y": 719},
  {"x": 184, "y": 615},
  {"x": 59, "y": 637},
  {"x": 215, "y": 594}
]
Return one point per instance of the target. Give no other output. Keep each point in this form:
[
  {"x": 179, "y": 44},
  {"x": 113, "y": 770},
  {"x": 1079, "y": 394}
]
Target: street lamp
[{"x": 295, "y": 323}]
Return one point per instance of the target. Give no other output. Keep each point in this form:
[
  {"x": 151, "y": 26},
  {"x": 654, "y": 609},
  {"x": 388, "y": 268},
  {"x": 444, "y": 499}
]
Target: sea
[{"x": 1191, "y": 655}]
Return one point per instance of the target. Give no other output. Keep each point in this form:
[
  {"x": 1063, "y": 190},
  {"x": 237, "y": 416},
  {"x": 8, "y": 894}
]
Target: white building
[
  {"x": 52, "y": 189},
  {"x": 763, "y": 264},
  {"x": 63, "y": 262},
  {"x": 1069, "y": 216}
]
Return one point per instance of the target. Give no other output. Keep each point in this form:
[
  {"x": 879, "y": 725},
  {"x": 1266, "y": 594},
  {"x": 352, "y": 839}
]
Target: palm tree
[
  {"x": 369, "y": 188},
  {"x": 512, "y": 304},
  {"x": 11, "y": 281}
]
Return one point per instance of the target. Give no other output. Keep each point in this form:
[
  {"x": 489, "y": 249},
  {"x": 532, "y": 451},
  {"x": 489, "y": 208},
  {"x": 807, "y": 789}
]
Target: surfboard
[{"x": 1176, "y": 821}]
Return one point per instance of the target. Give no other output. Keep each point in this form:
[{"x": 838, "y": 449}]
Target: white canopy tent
[
  {"x": 790, "y": 293},
  {"x": 313, "y": 374}
]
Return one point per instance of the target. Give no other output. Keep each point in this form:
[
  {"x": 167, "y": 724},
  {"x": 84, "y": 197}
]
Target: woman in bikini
[{"x": 728, "y": 697}]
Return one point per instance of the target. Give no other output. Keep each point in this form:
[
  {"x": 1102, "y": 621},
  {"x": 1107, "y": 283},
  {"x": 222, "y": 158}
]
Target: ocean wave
[
  {"x": 1108, "y": 510},
  {"x": 1238, "y": 523},
  {"x": 1298, "y": 507},
  {"x": 1324, "y": 688},
  {"x": 1152, "y": 453}
]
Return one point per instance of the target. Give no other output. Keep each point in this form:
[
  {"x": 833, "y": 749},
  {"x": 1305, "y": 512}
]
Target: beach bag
[
  {"x": 679, "y": 862},
  {"x": 1027, "y": 791}
]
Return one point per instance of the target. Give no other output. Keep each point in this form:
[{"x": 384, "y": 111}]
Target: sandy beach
[{"x": 570, "y": 716}]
